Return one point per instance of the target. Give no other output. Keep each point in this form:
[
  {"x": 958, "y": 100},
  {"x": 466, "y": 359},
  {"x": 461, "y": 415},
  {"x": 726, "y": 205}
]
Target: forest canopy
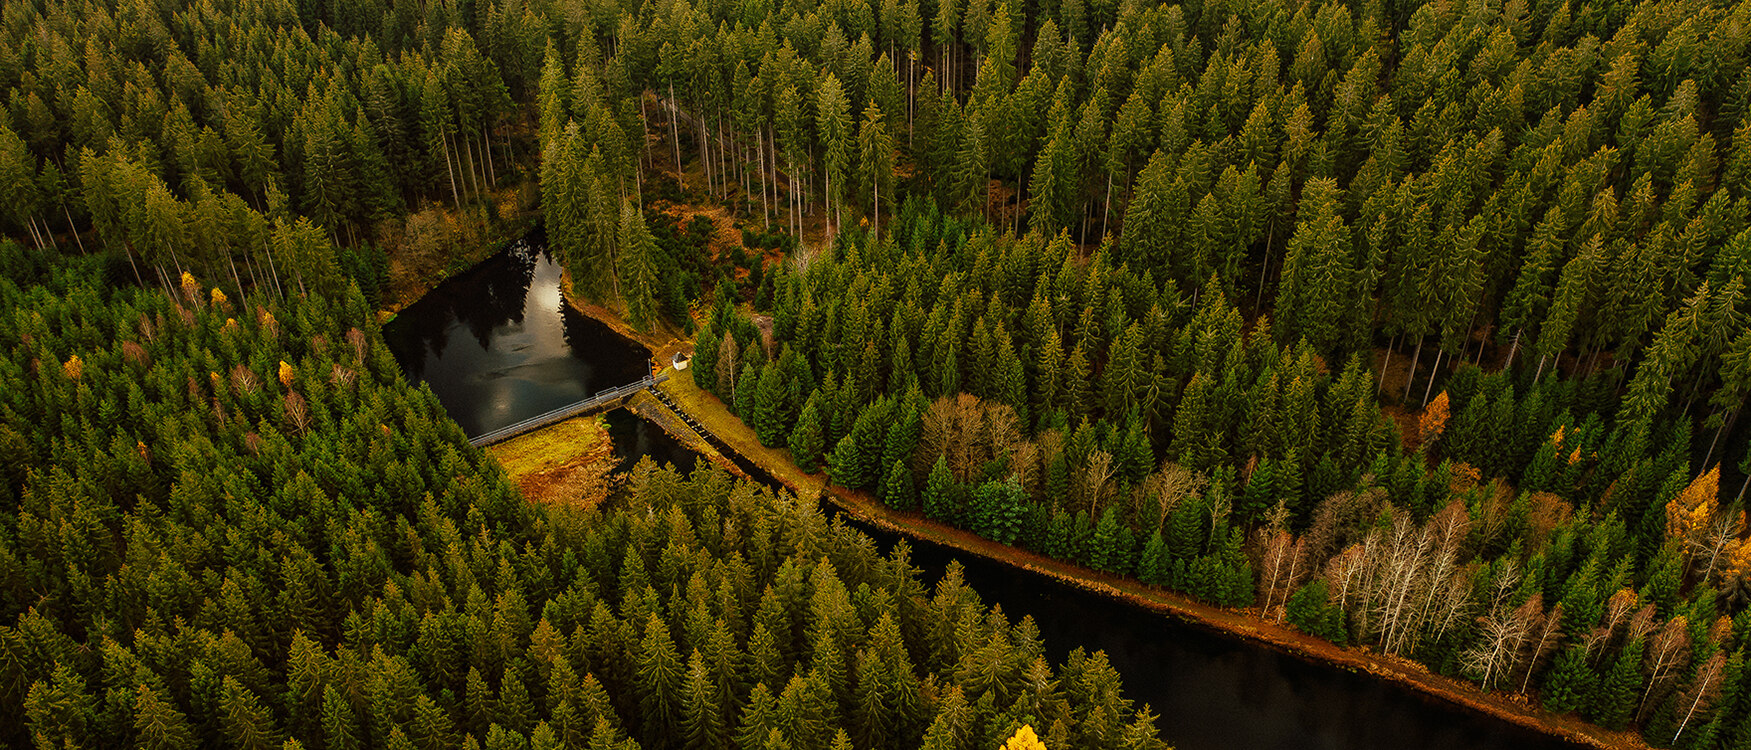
[
  {"x": 237, "y": 527},
  {"x": 1421, "y": 326}
]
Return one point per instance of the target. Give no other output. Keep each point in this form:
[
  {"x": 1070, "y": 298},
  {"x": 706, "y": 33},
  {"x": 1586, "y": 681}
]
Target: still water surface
[{"x": 497, "y": 344}]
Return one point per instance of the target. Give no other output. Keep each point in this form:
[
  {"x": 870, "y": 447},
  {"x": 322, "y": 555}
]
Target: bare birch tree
[
  {"x": 1704, "y": 688},
  {"x": 1545, "y": 643},
  {"x": 1667, "y": 653}
]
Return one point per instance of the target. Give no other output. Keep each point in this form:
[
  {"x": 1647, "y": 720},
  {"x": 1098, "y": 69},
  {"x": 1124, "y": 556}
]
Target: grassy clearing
[{"x": 567, "y": 463}]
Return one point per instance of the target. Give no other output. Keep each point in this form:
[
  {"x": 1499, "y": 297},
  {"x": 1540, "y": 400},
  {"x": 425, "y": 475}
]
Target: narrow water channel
[{"x": 498, "y": 344}]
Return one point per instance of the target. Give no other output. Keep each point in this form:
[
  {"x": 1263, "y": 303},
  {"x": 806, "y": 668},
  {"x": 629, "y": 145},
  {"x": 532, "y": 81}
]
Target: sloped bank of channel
[{"x": 499, "y": 343}]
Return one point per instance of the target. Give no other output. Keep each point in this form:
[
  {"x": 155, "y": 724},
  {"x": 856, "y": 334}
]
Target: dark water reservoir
[{"x": 497, "y": 344}]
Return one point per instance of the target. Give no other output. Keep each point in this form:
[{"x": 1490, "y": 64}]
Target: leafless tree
[
  {"x": 1717, "y": 542},
  {"x": 1545, "y": 642},
  {"x": 1401, "y": 571},
  {"x": 244, "y": 380},
  {"x": 1342, "y": 572},
  {"x": 1280, "y": 567},
  {"x": 1095, "y": 473},
  {"x": 1704, "y": 688},
  {"x": 1341, "y": 519},
  {"x": 1641, "y": 624},
  {"x": 1163, "y": 490},
  {"x": 297, "y": 412},
  {"x": 1504, "y": 630},
  {"x": 1667, "y": 653}
]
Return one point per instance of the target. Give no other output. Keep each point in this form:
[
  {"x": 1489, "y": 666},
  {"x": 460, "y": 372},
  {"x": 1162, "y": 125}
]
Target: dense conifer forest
[
  {"x": 240, "y": 529},
  {"x": 1417, "y": 326}
]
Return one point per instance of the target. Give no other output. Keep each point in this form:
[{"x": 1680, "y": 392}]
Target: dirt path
[
  {"x": 1247, "y": 624},
  {"x": 660, "y": 415}
]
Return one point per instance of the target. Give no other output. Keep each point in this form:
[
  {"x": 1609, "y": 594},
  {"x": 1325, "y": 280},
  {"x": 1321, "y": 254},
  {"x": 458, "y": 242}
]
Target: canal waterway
[{"x": 498, "y": 344}]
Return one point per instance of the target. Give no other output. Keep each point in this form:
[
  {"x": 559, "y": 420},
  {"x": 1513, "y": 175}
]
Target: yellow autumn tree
[
  {"x": 73, "y": 367},
  {"x": 1434, "y": 420},
  {"x": 1739, "y": 561},
  {"x": 1687, "y": 515},
  {"x": 286, "y": 374},
  {"x": 1024, "y": 739},
  {"x": 191, "y": 289}
]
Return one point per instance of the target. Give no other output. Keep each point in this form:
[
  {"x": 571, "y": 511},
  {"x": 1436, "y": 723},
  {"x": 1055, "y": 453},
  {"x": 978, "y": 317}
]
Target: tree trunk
[
  {"x": 75, "y": 230},
  {"x": 1433, "y": 372},
  {"x": 492, "y": 173},
  {"x": 1415, "y": 359},
  {"x": 455, "y": 197},
  {"x": 675, "y": 135},
  {"x": 1264, "y": 269},
  {"x": 234, "y": 277},
  {"x": 1726, "y": 424},
  {"x": 274, "y": 268},
  {"x": 130, "y": 253},
  {"x": 1106, "y": 207},
  {"x": 1384, "y": 366}
]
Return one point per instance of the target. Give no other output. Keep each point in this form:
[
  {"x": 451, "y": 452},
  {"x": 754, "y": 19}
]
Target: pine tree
[
  {"x": 158, "y": 725},
  {"x": 901, "y": 441},
  {"x": 704, "y": 364},
  {"x": 876, "y": 162},
  {"x": 769, "y": 420},
  {"x": 246, "y": 723},
  {"x": 637, "y": 269},
  {"x": 1316, "y": 295},
  {"x": 939, "y": 494},
  {"x": 833, "y": 126},
  {"x": 806, "y": 441},
  {"x": 897, "y": 487},
  {"x": 702, "y": 723},
  {"x": 747, "y": 391},
  {"x": 1565, "y": 689},
  {"x": 1613, "y": 699},
  {"x": 660, "y": 680}
]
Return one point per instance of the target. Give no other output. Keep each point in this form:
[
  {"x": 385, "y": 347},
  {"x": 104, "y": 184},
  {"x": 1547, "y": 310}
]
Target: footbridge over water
[{"x": 598, "y": 401}]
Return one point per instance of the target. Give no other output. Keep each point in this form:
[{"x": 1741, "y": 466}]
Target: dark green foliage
[
  {"x": 997, "y": 511},
  {"x": 896, "y": 488},
  {"x": 1311, "y": 611},
  {"x": 1224, "y": 210},
  {"x": 806, "y": 441},
  {"x": 940, "y": 492},
  {"x": 1569, "y": 681},
  {"x": 315, "y": 633},
  {"x": 1613, "y": 698}
]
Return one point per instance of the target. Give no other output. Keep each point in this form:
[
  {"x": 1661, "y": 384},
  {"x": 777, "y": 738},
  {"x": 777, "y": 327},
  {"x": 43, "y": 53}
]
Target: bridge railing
[{"x": 564, "y": 412}]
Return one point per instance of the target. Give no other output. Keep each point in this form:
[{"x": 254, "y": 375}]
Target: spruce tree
[
  {"x": 747, "y": 391},
  {"x": 1613, "y": 698},
  {"x": 768, "y": 419},
  {"x": 637, "y": 268},
  {"x": 660, "y": 680},
  {"x": 897, "y": 489},
  {"x": 806, "y": 441},
  {"x": 1570, "y": 679},
  {"x": 939, "y": 495}
]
